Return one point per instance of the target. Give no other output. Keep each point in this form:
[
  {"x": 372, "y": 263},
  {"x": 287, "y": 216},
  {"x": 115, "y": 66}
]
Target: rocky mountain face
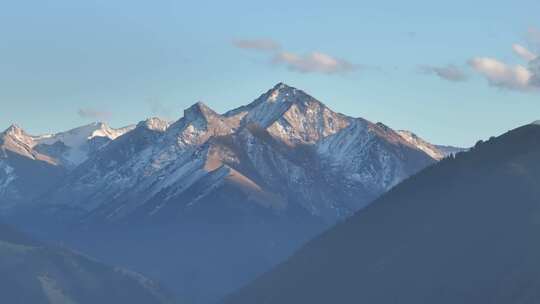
[
  {"x": 24, "y": 172},
  {"x": 462, "y": 231},
  {"x": 31, "y": 272},
  {"x": 255, "y": 182},
  {"x": 285, "y": 148}
]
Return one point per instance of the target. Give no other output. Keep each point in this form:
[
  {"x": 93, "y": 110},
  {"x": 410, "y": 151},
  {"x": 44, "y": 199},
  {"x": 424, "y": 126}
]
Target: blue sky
[{"x": 417, "y": 65}]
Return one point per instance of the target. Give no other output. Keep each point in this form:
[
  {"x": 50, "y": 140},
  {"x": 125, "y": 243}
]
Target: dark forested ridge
[
  {"x": 31, "y": 272},
  {"x": 465, "y": 230}
]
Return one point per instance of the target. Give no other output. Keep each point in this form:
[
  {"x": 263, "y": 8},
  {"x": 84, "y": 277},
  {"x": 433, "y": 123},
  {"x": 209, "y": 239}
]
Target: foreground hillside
[
  {"x": 31, "y": 272},
  {"x": 465, "y": 230}
]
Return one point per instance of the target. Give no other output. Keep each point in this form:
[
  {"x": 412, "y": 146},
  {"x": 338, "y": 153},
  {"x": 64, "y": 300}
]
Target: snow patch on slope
[
  {"x": 77, "y": 140},
  {"x": 421, "y": 144},
  {"x": 7, "y": 175}
]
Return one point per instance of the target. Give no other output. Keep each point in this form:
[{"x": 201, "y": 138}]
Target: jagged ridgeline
[
  {"x": 285, "y": 146},
  {"x": 159, "y": 197}
]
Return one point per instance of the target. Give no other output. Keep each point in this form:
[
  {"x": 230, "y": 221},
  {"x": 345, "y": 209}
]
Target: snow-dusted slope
[
  {"x": 284, "y": 149},
  {"x": 437, "y": 152},
  {"x": 421, "y": 144},
  {"x": 69, "y": 148},
  {"x": 291, "y": 115},
  {"x": 15, "y": 140},
  {"x": 284, "y": 142},
  {"x": 24, "y": 172},
  {"x": 7, "y": 175},
  {"x": 370, "y": 157},
  {"x": 78, "y": 143}
]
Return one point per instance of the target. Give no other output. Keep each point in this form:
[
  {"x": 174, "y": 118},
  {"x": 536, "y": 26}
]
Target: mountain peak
[
  {"x": 154, "y": 124},
  {"x": 284, "y": 93},
  {"x": 278, "y": 98},
  {"x": 16, "y": 132},
  {"x": 199, "y": 109},
  {"x": 14, "y": 129},
  {"x": 17, "y": 140},
  {"x": 282, "y": 86}
]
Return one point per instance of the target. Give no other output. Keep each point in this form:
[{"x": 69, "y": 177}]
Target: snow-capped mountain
[
  {"x": 256, "y": 182},
  {"x": 285, "y": 148}
]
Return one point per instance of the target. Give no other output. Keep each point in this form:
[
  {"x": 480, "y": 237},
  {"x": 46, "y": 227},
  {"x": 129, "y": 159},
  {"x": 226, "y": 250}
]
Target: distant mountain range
[
  {"x": 210, "y": 194},
  {"x": 462, "y": 231},
  {"x": 285, "y": 146},
  {"x": 31, "y": 272}
]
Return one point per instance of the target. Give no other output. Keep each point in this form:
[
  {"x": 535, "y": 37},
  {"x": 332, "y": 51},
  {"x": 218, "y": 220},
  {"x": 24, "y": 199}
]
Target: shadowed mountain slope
[
  {"x": 31, "y": 272},
  {"x": 464, "y": 230}
]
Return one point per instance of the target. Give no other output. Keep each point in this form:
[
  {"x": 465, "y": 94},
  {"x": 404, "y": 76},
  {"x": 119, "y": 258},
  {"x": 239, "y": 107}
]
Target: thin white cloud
[
  {"x": 257, "y": 44},
  {"x": 502, "y": 75},
  {"x": 514, "y": 77},
  {"x": 523, "y": 52},
  {"x": 89, "y": 113},
  {"x": 314, "y": 62},
  {"x": 450, "y": 72}
]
